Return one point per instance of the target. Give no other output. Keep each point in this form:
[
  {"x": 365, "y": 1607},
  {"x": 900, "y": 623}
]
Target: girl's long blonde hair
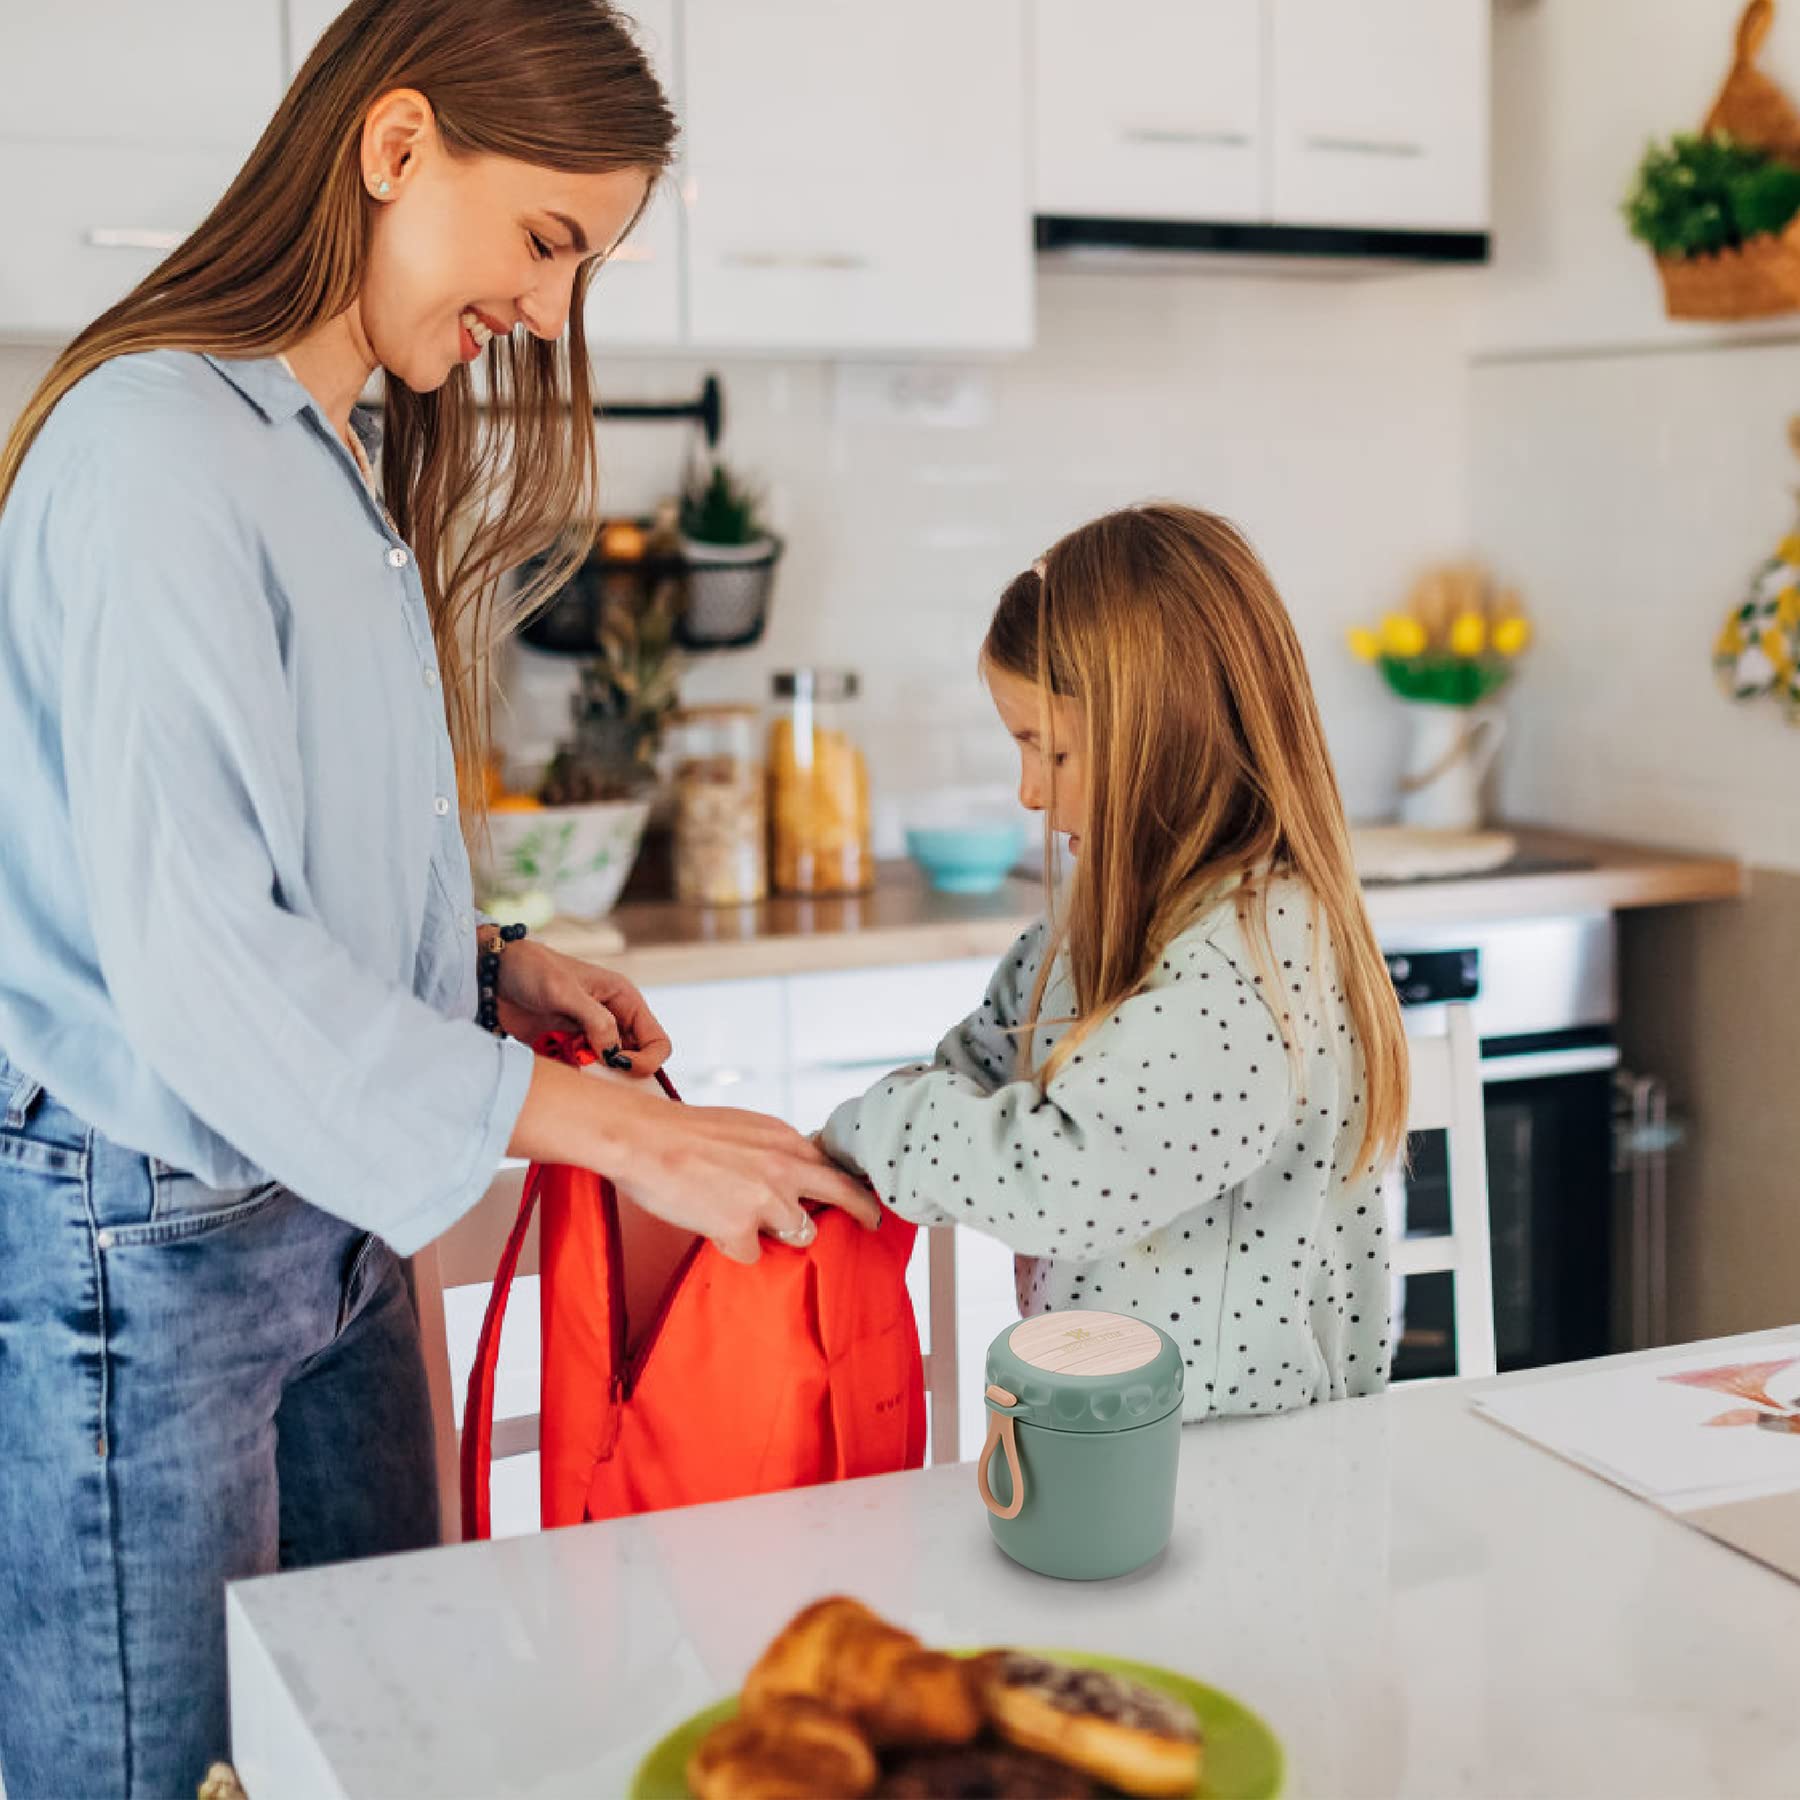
[
  {"x": 476, "y": 490},
  {"x": 1206, "y": 766}
]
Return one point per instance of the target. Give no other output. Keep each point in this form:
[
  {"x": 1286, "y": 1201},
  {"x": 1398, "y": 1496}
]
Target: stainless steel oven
[{"x": 1544, "y": 993}]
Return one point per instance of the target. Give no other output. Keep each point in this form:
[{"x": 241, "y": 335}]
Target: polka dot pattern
[{"x": 1193, "y": 1163}]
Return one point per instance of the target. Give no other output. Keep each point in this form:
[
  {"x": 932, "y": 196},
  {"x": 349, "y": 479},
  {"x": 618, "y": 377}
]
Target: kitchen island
[
  {"x": 658, "y": 943},
  {"x": 1416, "y": 1601}
]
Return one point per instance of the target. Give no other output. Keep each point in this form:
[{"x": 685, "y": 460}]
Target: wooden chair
[
  {"x": 1446, "y": 1096},
  {"x": 467, "y": 1256}
]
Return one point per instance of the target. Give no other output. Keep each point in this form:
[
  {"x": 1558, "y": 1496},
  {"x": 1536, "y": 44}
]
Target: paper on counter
[{"x": 1680, "y": 1432}]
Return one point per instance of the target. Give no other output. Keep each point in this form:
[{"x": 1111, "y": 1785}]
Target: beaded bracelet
[{"x": 487, "y": 978}]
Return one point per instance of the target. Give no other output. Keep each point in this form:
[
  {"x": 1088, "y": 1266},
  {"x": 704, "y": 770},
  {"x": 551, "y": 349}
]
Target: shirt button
[
  {"x": 104, "y": 1240},
  {"x": 431, "y": 677},
  {"x": 440, "y": 806},
  {"x": 396, "y": 558}
]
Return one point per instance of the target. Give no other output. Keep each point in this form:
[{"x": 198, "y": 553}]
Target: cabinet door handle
[
  {"x": 835, "y": 260},
  {"x": 132, "y": 237},
  {"x": 1403, "y": 148},
  {"x": 1186, "y": 139}
]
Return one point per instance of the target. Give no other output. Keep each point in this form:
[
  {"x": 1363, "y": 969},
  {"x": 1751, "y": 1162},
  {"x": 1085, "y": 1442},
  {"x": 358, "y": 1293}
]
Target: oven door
[{"x": 1548, "y": 1104}]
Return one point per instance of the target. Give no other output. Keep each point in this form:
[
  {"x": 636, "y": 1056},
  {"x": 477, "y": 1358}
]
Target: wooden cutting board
[{"x": 1409, "y": 853}]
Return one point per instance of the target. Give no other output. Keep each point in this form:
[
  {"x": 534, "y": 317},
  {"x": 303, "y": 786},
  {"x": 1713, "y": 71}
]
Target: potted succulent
[
  {"x": 569, "y": 847},
  {"x": 1447, "y": 652},
  {"x": 730, "y": 555}
]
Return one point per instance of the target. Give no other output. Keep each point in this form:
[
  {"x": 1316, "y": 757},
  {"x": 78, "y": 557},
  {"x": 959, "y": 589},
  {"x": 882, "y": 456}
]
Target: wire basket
[
  {"x": 569, "y": 623},
  {"x": 1760, "y": 277},
  {"x": 728, "y": 591}
]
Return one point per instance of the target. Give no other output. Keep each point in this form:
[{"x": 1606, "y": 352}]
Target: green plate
[{"x": 1243, "y": 1758}]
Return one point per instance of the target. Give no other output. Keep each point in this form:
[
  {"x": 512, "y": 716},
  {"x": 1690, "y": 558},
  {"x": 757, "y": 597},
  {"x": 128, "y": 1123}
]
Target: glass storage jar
[
  {"x": 721, "y": 834},
  {"x": 821, "y": 834}
]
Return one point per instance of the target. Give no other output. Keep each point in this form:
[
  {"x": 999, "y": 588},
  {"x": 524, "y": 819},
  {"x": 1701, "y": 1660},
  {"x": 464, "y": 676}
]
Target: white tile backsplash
[{"x": 1328, "y": 417}]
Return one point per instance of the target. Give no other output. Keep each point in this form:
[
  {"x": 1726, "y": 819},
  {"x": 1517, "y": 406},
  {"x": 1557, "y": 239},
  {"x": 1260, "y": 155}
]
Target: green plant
[
  {"x": 625, "y": 698},
  {"x": 1698, "y": 194},
  {"x": 718, "y": 508}
]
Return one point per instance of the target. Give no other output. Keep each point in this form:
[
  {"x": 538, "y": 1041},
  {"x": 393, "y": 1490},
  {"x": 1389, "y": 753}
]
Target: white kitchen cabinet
[
  {"x": 1149, "y": 109},
  {"x": 306, "y": 22},
  {"x": 96, "y": 189},
  {"x": 188, "y": 73},
  {"x": 84, "y": 223},
  {"x": 856, "y": 175},
  {"x": 1379, "y": 113}
]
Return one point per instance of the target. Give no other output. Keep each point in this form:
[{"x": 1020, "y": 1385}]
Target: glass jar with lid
[
  {"x": 721, "y": 831},
  {"x": 820, "y": 829}
]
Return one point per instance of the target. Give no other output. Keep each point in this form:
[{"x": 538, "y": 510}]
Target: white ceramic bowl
[{"x": 578, "y": 855}]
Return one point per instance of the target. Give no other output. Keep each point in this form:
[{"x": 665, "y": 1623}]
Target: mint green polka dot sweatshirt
[{"x": 1183, "y": 1166}]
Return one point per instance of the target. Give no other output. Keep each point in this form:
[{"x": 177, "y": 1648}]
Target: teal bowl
[{"x": 966, "y": 859}]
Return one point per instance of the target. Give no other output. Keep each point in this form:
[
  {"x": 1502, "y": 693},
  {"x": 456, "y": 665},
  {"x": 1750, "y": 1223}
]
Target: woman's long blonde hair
[
  {"x": 1206, "y": 766},
  {"x": 476, "y": 489}
]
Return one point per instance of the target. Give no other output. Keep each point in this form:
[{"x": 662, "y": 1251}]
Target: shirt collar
[{"x": 266, "y": 383}]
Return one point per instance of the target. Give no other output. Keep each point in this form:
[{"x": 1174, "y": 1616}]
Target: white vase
[{"x": 1448, "y": 755}]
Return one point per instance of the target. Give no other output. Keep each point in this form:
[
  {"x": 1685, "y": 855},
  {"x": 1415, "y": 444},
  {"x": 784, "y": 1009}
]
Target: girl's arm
[{"x": 1172, "y": 1100}]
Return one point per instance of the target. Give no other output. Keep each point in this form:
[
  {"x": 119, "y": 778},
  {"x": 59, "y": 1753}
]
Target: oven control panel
[{"x": 1434, "y": 977}]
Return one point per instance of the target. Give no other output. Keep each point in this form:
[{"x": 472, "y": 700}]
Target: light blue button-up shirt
[{"x": 236, "y": 927}]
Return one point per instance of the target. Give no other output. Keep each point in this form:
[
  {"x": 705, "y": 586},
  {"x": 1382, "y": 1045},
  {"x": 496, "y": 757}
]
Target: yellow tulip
[
  {"x": 1468, "y": 634},
  {"x": 1512, "y": 635},
  {"x": 1402, "y": 635},
  {"x": 1731, "y": 640},
  {"x": 1788, "y": 550},
  {"x": 1365, "y": 646}
]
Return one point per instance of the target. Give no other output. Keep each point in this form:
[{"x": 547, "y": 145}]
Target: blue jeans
[{"x": 195, "y": 1386}]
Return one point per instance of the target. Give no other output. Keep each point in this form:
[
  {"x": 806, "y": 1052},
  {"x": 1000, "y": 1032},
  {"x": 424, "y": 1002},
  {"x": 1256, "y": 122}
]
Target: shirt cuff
[{"x": 512, "y": 1077}]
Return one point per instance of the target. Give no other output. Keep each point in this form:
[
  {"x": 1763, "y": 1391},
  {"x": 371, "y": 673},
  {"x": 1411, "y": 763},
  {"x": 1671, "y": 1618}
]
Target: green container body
[{"x": 1096, "y": 1421}]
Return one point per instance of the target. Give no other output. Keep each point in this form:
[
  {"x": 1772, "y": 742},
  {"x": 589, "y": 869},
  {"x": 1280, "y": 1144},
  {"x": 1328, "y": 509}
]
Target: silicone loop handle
[{"x": 1003, "y": 1434}]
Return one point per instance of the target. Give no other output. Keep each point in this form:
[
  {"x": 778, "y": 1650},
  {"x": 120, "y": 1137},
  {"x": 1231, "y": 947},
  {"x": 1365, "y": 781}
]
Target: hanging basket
[
  {"x": 1761, "y": 277},
  {"x": 728, "y": 592}
]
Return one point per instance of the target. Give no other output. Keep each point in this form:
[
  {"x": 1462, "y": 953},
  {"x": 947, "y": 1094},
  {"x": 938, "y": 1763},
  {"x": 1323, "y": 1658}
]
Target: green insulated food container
[{"x": 1084, "y": 1433}]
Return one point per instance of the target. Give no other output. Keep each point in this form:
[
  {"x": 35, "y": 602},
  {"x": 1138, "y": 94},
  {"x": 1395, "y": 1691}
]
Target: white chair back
[{"x": 1446, "y": 1096}]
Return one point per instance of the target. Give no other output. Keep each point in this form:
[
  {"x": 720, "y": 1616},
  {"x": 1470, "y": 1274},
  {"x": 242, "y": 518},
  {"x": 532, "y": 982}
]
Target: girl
[
  {"x": 240, "y": 1064},
  {"x": 1179, "y": 1096}
]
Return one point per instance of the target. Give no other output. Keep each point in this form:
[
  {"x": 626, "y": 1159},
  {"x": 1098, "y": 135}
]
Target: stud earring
[{"x": 380, "y": 188}]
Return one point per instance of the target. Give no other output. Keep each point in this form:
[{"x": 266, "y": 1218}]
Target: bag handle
[
  {"x": 478, "y": 1408},
  {"x": 1002, "y": 1432}
]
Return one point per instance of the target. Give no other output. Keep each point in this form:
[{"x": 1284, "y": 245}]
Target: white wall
[
  {"x": 1629, "y": 471},
  {"x": 1327, "y": 417}
]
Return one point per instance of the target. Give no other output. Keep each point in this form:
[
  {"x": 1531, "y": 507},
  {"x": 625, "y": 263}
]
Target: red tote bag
[{"x": 803, "y": 1367}]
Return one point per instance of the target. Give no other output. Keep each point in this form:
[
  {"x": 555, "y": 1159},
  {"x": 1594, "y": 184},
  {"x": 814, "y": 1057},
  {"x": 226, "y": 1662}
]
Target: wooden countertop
[{"x": 657, "y": 943}]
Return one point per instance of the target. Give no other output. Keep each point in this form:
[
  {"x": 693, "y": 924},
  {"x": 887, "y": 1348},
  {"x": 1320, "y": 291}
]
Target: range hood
[{"x": 1289, "y": 249}]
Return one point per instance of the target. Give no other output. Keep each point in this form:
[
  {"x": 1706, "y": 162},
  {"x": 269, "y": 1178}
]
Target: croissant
[
  {"x": 899, "y": 1692},
  {"x": 792, "y": 1749}
]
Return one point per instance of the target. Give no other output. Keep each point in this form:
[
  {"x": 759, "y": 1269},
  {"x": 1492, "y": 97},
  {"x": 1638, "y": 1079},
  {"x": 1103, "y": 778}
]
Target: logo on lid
[{"x": 1084, "y": 1343}]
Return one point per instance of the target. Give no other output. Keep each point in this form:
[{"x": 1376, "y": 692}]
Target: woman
[{"x": 239, "y": 1068}]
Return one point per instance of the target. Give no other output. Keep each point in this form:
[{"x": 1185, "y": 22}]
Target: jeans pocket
[{"x": 183, "y": 1206}]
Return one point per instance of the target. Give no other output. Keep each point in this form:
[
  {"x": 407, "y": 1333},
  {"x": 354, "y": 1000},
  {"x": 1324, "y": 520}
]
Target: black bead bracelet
[{"x": 487, "y": 978}]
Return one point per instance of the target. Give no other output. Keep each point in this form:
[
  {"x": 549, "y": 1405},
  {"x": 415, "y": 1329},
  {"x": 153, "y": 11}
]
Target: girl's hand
[{"x": 543, "y": 990}]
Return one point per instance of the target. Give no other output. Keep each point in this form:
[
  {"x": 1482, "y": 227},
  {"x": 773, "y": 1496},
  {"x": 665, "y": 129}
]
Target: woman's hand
[
  {"x": 543, "y": 990},
  {"x": 732, "y": 1176}
]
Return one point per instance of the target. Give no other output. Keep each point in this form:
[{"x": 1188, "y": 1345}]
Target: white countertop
[{"x": 1418, "y": 1602}]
